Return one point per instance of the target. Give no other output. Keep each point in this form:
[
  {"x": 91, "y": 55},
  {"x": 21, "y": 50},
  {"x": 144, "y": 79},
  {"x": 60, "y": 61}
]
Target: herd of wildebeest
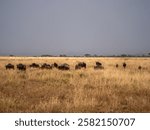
[{"x": 64, "y": 66}]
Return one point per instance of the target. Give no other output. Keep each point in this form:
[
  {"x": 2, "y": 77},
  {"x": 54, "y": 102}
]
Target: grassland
[{"x": 87, "y": 90}]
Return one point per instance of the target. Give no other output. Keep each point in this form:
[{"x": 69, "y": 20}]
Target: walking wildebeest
[
  {"x": 21, "y": 67},
  {"x": 46, "y": 66},
  {"x": 124, "y": 65},
  {"x": 9, "y": 66},
  {"x": 34, "y": 65},
  {"x": 80, "y": 65},
  {"x": 63, "y": 67}
]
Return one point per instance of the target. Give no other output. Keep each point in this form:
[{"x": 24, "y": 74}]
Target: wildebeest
[
  {"x": 140, "y": 67},
  {"x": 80, "y": 65},
  {"x": 124, "y": 65},
  {"x": 117, "y": 65},
  {"x": 63, "y": 67},
  {"x": 55, "y": 65},
  {"x": 21, "y": 67},
  {"x": 9, "y": 66},
  {"x": 46, "y": 66},
  {"x": 34, "y": 65},
  {"x": 98, "y": 67},
  {"x": 98, "y": 63}
]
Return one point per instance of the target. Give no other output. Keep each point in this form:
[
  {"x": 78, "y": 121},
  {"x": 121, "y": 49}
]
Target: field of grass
[{"x": 87, "y": 90}]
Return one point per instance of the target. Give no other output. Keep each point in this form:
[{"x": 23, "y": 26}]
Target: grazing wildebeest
[
  {"x": 117, "y": 65},
  {"x": 140, "y": 67},
  {"x": 21, "y": 67},
  {"x": 63, "y": 67},
  {"x": 124, "y": 65},
  {"x": 34, "y": 65},
  {"x": 9, "y": 66},
  {"x": 80, "y": 65},
  {"x": 98, "y": 63},
  {"x": 46, "y": 66},
  {"x": 98, "y": 67}
]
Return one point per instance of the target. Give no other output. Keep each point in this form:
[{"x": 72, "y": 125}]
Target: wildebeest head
[{"x": 9, "y": 66}]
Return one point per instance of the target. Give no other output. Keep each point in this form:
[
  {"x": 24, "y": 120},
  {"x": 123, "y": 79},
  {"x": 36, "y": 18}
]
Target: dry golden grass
[{"x": 87, "y": 90}]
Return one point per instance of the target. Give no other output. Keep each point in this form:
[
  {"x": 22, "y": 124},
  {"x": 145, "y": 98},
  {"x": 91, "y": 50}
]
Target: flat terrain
[{"x": 109, "y": 90}]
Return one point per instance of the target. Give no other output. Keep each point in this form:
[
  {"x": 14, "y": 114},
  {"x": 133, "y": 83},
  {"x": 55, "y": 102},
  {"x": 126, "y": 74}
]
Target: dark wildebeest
[
  {"x": 140, "y": 67},
  {"x": 117, "y": 65},
  {"x": 98, "y": 67},
  {"x": 124, "y": 65},
  {"x": 9, "y": 66},
  {"x": 80, "y": 65},
  {"x": 46, "y": 66},
  {"x": 98, "y": 63},
  {"x": 34, "y": 65},
  {"x": 63, "y": 67},
  {"x": 21, "y": 67},
  {"x": 55, "y": 65}
]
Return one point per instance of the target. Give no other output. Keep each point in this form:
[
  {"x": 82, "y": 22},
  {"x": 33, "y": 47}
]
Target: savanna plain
[{"x": 86, "y": 90}]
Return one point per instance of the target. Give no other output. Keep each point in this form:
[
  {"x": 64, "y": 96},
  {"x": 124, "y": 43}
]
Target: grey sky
[{"x": 74, "y": 27}]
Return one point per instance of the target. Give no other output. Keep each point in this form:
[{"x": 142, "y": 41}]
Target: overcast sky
[{"x": 74, "y": 27}]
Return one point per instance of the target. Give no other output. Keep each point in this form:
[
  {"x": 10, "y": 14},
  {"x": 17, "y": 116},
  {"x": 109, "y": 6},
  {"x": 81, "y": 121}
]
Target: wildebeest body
[
  {"x": 63, "y": 67},
  {"x": 117, "y": 65},
  {"x": 140, "y": 67},
  {"x": 9, "y": 66},
  {"x": 98, "y": 66},
  {"x": 98, "y": 63},
  {"x": 34, "y": 65},
  {"x": 46, "y": 66},
  {"x": 21, "y": 67},
  {"x": 80, "y": 65},
  {"x": 124, "y": 65},
  {"x": 55, "y": 65}
]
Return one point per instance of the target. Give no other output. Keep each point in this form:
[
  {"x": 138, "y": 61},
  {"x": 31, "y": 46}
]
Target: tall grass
[{"x": 87, "y": 90}]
